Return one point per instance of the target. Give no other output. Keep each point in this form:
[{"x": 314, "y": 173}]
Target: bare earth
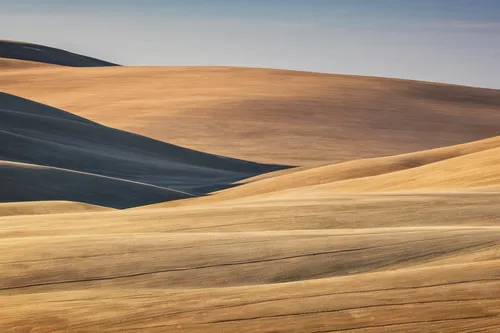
[{"x": 352, "y": 240}]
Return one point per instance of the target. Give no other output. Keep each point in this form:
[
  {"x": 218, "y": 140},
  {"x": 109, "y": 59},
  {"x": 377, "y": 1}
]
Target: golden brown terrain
[
  {"x": 350, "y": 241},
  {"x": 269, "y": 116}
]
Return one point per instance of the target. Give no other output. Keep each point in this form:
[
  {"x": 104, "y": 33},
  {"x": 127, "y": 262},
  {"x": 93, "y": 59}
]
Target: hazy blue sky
[{"x": 455, "y": 41}]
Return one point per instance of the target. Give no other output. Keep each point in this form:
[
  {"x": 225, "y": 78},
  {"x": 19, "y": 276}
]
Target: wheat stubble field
[{"x": 252, "y": 200}]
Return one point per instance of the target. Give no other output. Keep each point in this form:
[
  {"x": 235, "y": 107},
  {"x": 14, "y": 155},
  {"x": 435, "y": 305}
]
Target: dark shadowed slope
[
  {"x": 26, "y": 182},
  {"x": 71, "y": 158},
  {"x": 48, "y": 55}
]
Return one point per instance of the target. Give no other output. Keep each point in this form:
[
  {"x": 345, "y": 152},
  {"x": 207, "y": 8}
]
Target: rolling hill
[
  {"x": 268, "y": 116},
  {"x": 13, "y": 64},
  {"x": 470, "y": 165},
  {"x": 49, "y": 154},
  {"x": 48, "y": 55},
  {"x": 390, "y": 224},
  {"x": 43, "y": 208}
]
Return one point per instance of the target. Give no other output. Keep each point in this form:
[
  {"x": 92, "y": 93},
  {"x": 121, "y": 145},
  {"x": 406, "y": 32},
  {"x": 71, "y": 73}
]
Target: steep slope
[
  {"x": 272, "y": 116},
  {"x": 78, "y": 157},
  {"x": 49, "y": 55}
]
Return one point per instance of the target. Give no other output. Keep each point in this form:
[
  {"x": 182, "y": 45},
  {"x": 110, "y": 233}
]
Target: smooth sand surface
[{"x": 350, "y": 241}]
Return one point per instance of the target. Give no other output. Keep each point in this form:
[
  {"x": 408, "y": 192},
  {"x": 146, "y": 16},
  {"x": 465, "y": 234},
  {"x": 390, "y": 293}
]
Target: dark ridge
[
  {"x": 48, "y": 55},
  {"x": 95, "y": 164}
]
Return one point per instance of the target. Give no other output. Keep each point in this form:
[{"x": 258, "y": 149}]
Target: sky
[{"x": 451, "y": 41}]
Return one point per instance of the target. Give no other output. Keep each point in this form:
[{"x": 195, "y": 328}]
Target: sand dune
[
  {"x": 49, "y": 55},
  {"x": 350, "y": 241},
  {"x": 79, "y": 157},
  {"x": 271, "y": 116}
]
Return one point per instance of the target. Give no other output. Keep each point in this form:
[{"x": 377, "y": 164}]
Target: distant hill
[
  {"x": 48, "y": 55},
  {"x": 269, "y": 116},
  {"x": 50, "y": 154}
]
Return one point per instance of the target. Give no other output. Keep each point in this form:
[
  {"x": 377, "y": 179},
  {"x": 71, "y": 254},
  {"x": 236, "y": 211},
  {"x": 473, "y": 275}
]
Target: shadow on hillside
[{"x": 51, "y": 154}]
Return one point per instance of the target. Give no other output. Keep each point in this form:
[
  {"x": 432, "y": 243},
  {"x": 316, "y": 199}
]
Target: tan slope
[
  {"x": 285, "y": 117},
  {"x": 474, "y": 170},
  {"x": 13, "y": 64},
  {"x": 48, "y": 55},
  {"x": 450, "y": 298},
  {"x": 300, "y": 177},
  {"x": 46, "y": 207},
  {"x": 307, "y": 212},
  {"x": 175, "y": 260}
]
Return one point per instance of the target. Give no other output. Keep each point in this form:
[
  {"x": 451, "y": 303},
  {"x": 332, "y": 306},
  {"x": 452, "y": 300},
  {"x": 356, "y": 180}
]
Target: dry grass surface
[
  {"x": 467, "y": 165},
  {"x": 373, "y": 262},
  {"x": 350, "y": 262},
  {"x": 43, "y": 208},
  {"x": 406, "y": 243},
  {"x": 451, "y": 298},
  {"x": 263, "y": 115},
  {"x": 13, "y": 64}
]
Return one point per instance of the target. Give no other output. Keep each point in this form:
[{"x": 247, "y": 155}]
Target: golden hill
[
  {"x": 172, "y": 268},
  {"x": 461, "y": 167},
  {"x": 43, "y": 208},
  {"x": 473, "y": 170},
  {"x": 13, "y": 64},
  {"x": 395, "y": 173},
  {"x": 272, "y": 116},
  {"x": 354, "y": 240},
  {"x": 451, "y": 298}
]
